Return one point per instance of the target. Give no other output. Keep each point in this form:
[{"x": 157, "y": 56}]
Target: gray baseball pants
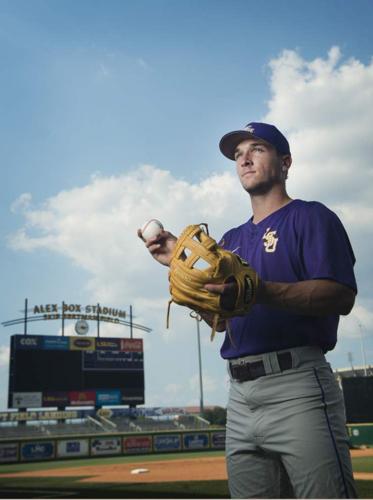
[{"x": 286, "y": 431}]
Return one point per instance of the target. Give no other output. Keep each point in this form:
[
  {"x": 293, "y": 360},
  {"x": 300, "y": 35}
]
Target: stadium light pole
[
  {"x": 25, "y": 325},
  {"x": 200, "y": 367},
  {"x": 131, "y": 329},
  {"x": 362, "y": 348},
  {"x": 98, "y": 320}
]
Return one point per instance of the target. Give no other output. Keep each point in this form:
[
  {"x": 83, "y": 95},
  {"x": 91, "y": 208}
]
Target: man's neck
[{"x": 265, "y": 204}]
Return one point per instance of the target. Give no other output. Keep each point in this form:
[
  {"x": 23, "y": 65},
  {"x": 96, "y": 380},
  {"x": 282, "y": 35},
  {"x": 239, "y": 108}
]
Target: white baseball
[{"x": 151, "y": 229}]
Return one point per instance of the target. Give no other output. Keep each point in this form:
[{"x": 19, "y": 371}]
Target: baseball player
[{"x": 286, "y": 434}]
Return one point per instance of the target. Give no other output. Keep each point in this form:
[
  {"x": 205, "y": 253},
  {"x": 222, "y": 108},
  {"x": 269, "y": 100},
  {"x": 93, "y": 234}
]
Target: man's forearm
[{"x": 313, "y": 297}]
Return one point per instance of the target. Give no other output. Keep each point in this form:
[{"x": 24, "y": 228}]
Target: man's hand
[
  {"x": 228, "y": 292},
  {"x": 161, "y": 246}
]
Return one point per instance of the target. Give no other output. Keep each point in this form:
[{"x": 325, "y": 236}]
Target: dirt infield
[
  {"x": 194, "y": 469},
  {"x": 162, "y": 471}
]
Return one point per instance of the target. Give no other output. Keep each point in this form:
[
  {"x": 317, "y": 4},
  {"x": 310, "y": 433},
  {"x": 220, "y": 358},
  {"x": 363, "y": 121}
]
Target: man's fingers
[
  {"x": 156, "y": 240},
  {"x": 220, "y": 289},
  {"x": 228, "y": 292},
  {"x": 153, "y": 248}
]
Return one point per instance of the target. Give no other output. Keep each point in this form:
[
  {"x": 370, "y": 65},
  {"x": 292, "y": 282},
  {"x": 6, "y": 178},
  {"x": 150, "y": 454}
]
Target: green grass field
[{"x": 73, "y": 488}]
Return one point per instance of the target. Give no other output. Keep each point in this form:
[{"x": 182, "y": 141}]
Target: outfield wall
[
  {"x": 61, "y": 448},
  {"x": 360, "y": 434},
  {"x": 125, "y": 444}
]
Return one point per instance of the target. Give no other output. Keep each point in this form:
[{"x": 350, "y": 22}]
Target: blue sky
[{"x": 92, "y": 91}]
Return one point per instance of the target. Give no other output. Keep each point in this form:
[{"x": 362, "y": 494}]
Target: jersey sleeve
[
  {"x": 226, "y": 240},
  {"x": 325, "y": 247}
]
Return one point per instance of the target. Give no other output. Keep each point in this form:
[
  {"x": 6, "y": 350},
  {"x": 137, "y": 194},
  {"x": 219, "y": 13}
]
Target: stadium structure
[{"x": 81, "y": 396}]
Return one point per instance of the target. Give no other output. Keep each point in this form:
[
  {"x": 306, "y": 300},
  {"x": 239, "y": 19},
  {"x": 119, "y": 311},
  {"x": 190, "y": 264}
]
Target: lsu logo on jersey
[{"x": 270, "y": 240}]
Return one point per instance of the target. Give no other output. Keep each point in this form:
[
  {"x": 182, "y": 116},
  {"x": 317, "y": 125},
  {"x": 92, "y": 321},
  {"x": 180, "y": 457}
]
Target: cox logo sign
[{"x": 28, "y": 342}]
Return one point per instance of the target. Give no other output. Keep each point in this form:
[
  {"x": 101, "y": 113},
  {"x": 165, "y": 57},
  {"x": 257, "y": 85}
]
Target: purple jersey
[{"x": 300, "y": 241}]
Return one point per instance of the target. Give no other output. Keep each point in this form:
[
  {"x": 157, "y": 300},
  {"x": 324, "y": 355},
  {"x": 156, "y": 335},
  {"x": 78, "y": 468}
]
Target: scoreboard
[
  {"x": 358, "y": 397},
  {"x": 48, "y": 371}
]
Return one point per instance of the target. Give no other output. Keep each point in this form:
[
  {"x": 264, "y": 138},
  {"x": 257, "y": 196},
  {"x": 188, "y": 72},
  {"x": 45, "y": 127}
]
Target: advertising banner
[
  {"x": 82, "y": 398},
  {"x": 73, "y": 448},
  {"x": 106, "y": 446},
  {"x": 137, "y": 444},
  {"x": 58, "y": 399},
  {"x": 82, "y": 344},
  {"x": 28, "y": 341},
  {"x": 56, "y": 343},
  {"x": 27, "y": 399},
  {"x": 23, "y": 416},
  {"x": 8, "y": 452},
  {"x": 218, "y": 440},
  {"x": 196, "y": 441},
  {"x": 131, "y": 345},
  {"x": 42, "y": 450},
  {"x": 108, "y": 344},
  {"x": 111, "y": 397},
  {"x": 167, "y": 442}
]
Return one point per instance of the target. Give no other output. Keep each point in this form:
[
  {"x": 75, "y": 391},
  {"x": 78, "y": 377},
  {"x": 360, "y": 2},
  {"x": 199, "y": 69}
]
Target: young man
[{"x": 285, "y": 426}]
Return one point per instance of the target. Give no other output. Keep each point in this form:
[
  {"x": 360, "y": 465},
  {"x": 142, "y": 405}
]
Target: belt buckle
[
  {"x": 238, "y": 371},
  {"x": 242, "y": 371}
]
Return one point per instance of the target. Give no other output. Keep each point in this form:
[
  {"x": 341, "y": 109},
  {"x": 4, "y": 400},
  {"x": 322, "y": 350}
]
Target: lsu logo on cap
[
  {"x": 249, "y": 128},
  {"x": 270, "y": 240}
]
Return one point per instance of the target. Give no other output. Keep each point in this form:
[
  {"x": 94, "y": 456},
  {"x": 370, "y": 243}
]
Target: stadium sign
[
  {"x": 80, "y": 313},
  {"x": 54, "y": 311},
  {"x": 25, "y": 416}
]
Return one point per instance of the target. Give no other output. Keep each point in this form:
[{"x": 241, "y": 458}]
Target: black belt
[{"x": 250, "y": 371}]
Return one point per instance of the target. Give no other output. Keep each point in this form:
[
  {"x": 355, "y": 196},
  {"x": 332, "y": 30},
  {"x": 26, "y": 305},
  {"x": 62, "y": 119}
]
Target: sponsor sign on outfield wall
[
  {"x": 137, "y": 444},
  {"x": 27, "y": 399},
  {"x": 39, "y": 450},
  {"x": 196, "y": 441},
  {"x": 73, "y": 448},
  {"x": 9, "y": 452},
  {"x": 167, "y": 442},
  {"x": 106, "y": 446},
  {"x": 217, "y": 440}
]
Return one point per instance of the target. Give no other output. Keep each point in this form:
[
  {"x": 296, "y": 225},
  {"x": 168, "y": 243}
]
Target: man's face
[{"x": 258, "y": 166}]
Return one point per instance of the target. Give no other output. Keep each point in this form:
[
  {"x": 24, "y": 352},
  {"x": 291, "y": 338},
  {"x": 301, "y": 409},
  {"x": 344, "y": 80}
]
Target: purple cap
[{"x": 264, "y": 131}]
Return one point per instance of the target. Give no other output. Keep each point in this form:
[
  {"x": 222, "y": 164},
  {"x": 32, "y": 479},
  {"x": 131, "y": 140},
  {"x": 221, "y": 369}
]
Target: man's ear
[{"x": 286, "y": 161}]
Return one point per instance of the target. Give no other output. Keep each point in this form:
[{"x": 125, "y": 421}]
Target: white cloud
[
  {"x": 358, "y": 323},
  {"x": 326, "y": 106},
  {"x": 21, "y": 203},
  {"x": 209, "y": 384},
  {"x": 95, "y": 226},
  {"x": 4, "y": 356}
]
